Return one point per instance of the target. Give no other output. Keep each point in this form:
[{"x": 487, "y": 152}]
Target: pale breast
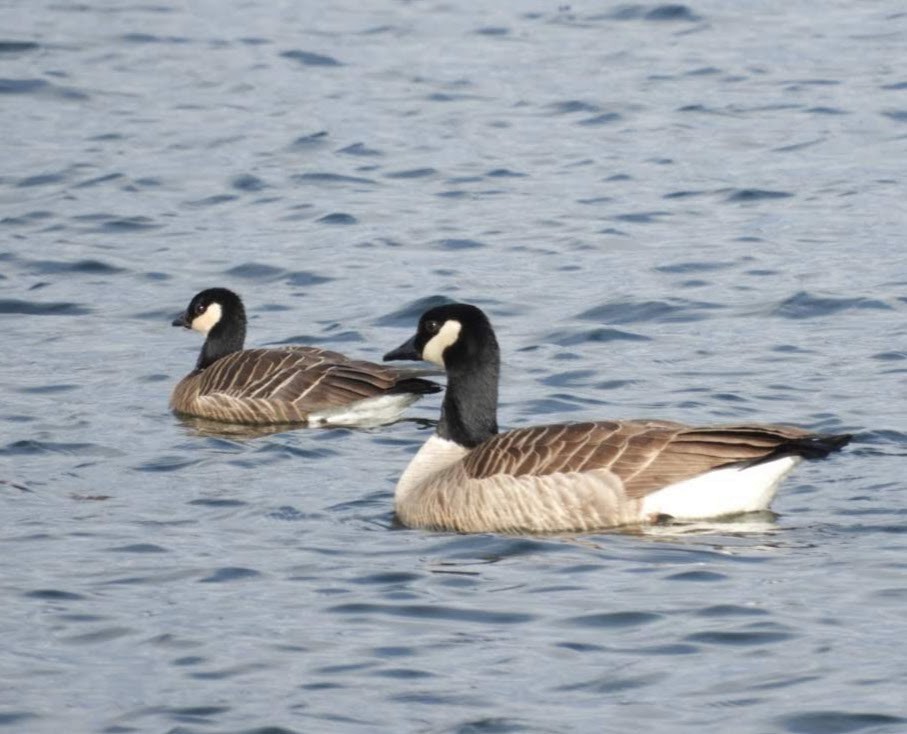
[{"x": 452, "y": 500}]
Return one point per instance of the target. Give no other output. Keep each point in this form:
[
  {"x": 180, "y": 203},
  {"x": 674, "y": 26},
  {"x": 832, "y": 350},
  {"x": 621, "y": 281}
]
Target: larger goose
[
  {"x": 573, "y": 477},
  {"x": 292, "y": 384}
]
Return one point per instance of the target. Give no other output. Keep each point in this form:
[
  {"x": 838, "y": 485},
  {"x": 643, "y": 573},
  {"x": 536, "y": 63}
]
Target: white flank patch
[
  {"x": 435, "y": 455},
  {"x": 728, "y": 491},
  {"x": 448, "y": 334},
  {"x": 209, "y": 319},
  {"x": 365, "y": 413}
]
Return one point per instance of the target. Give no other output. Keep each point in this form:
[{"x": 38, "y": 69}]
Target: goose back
[
  {"x": 645, "y": 454},
  {"x": 288, "y": 385}
]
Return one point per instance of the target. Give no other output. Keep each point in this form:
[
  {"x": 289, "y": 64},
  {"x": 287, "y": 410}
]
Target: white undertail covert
[{"x": 731, "y": 490}]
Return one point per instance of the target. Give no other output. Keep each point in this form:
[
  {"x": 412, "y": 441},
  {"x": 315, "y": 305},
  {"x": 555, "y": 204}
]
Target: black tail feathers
[{"x": 818, "y": 446}]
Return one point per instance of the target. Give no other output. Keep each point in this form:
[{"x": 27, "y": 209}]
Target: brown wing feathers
[
  {"x": 645, "y": 455},
  {"x": 286, "y": 384}
]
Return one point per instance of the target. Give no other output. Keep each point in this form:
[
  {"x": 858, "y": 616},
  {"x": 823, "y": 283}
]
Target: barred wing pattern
[
  {"x": 285, "y": 385},
  {"x": 644, "y": 455}
]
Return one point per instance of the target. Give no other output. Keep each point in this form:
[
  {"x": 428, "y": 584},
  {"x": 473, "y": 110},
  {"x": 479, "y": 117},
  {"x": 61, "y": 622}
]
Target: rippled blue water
[{"x": 692, "y": 212}]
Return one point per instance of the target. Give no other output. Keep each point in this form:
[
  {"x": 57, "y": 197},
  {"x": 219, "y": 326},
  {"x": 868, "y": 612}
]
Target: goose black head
[
  {"x": 211, "y": 307},
  {"x": 450, "y": 336}
]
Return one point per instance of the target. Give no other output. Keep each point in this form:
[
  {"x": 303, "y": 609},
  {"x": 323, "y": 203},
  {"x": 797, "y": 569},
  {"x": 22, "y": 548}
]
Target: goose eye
[
  {"x": 200, "y": 308},
  {"x": 432, "y": 326}
]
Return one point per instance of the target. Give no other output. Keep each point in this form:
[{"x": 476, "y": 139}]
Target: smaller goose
[
  {"x": 573, "y": 477},
  {"x": 292, "y": 384}
]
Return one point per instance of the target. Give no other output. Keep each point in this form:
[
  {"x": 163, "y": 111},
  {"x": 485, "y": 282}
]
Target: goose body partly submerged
[
  {"x": 580, "y": 476},
  {"x": 292, "y": 384}
]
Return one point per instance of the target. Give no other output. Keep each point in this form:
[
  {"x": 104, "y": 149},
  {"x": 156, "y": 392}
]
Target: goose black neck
[
  {"x": 469, "y": 414},
  {"x": 227, "y": 336}
]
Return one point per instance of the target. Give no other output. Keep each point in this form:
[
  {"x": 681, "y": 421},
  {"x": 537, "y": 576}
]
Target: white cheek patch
[
  {"x": 448, "y": 335},
  {"x": 208, "y": 320}
]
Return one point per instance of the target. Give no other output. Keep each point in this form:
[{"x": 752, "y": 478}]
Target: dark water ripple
[
  {"x": 630, "y": 312},
  {"x": 360, "y": 149},
  {"x": 311, "y": 140},
  {"x": 319, "y": 178},
  {"x": 337, "y": 218},
  {"x": 8, "y": 718},
  {"x": 230, "y": 574},
  {"x": 10, "y": 46},
  {"x": 53, "y": 595},
  {"x": 34, "y": 308},
  {"x": 693, "y": 239},
  {"x": 265, "y": 273},
  {"x": 308, "y": 58},
  {"x": 614, "y": 619},
  {"x": 804, "y": 305},
  {"x": 92, "y": 267},
  {"x": 40, "y": 88},
  {"x": 754, "y": 195},
  {"x": 433, "y": 612},
  {"x": 667, "y": 12},
  {"x": 838, "y": 722},
  {"x": 571, "y": 337},
  {"x": 47, "y": 447}
]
